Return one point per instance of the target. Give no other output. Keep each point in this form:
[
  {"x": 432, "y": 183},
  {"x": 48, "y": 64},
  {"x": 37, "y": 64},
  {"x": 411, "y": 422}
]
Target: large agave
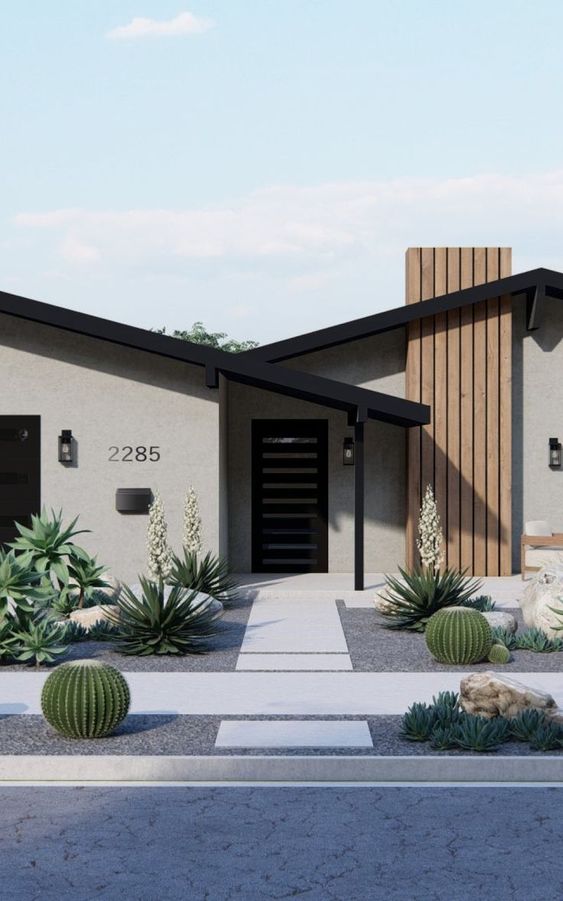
[
  {"x": 41, "y": 642},
  {"x": 155, "y": 623},
  {"x": 19, "y": 583},
  {"x": 412, "y": 599},
  {"x": 47, "y": 546},
  {"x": 209, "y": 575}
]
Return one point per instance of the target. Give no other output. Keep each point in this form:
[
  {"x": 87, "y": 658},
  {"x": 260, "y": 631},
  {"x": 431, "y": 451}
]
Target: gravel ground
[
  {"x": 221, "y": 656},
  {"x": 375, "y": 649},
  {"x": 187, "y": 735}
]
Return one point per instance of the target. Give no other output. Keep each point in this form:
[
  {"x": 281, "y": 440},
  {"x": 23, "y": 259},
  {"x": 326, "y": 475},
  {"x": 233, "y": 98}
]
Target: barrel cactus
[
  {"x": 499, "y": 654},
  {"x": 458, "y": 636},
  {"x": 85, "y": 699}
]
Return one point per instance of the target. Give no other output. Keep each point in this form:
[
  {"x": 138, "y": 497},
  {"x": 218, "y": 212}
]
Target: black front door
[
  {"x": 20, "y": 472},
  {"x": 289, "y": 495}
]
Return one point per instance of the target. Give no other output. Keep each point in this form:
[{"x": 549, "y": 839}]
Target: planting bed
[{"x": 373, "y": 648}]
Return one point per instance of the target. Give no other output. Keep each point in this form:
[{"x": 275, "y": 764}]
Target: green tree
[{"x": 198, "y": 334}]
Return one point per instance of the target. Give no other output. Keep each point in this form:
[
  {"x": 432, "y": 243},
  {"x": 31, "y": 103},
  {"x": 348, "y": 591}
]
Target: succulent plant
[
  {"x": 418, "y": 722},
  {"x": 526, "y": 724},
  {"x": 505, "y": 637},
  {"x": 40, "y": 642},
  {"x": 87, "y": 575},
  {"x": 483, "y": 603},
  {"x": 499, "y": 654},
  {"x": 102, "y": 630},
  {"x": 19, "y": 584},
  {"x": 538, "y": 641},
  {"x": 209, "y": 575},
  {"x": 443, "y": 738},
  {"x": 75, "y": 631},
  {"x": 417, "y": 595},
  {"x": 47, "y": 546},
  {"x": 476, "y": 733},
  {"x": 85, "y": 699},
  {"x": 458, "y": 636},
  {"x": 547, "y": 737}
]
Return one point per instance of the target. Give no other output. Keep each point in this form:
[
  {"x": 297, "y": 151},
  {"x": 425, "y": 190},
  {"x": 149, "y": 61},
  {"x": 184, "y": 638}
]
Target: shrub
[
  {"x": 209, "y": 575},
  {"x": 85, "y": 699},
  {"x": 413, "y": 599},
  {"x": 499, "y": 654},
  {"x": 458, "y": 636},
  {"x": 153, "y": 624}
]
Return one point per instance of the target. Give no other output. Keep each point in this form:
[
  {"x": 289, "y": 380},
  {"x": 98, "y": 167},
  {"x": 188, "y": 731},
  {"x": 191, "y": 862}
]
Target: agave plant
[
  {"x": 41, "y": 642},
  {"x": 47, "y": 546},
  {"x": 209, "y": 575},
  {"x": 8, "y": 641},
  {"x": 87, "y": 575},
  {"x": 19, "y": 583},
  {"x": 155, "y": 623},
  {"x": 538, "y": 641},
  {"x": 412, "y": 599}
]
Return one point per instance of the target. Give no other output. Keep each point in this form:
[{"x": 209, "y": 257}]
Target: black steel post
[{"x": 359, "y": 504}]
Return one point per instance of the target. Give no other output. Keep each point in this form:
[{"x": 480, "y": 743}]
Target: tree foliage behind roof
[{"x": 198, "y": 334}]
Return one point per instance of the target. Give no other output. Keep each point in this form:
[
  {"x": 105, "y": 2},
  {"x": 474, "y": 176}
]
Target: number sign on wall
[{"x": 128, "y": 454}]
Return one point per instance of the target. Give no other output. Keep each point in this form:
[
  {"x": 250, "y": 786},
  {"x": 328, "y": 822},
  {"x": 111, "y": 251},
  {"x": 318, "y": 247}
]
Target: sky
[{"x": 262, "y": 165}]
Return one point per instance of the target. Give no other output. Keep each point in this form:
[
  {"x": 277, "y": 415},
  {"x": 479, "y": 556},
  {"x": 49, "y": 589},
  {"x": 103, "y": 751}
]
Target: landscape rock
[
  {"x": 540, "y": 595},
  {"x": 498, "y": 619},
  {"x": 92, "y": 615},
  {"x": 492, "y": 694},
  {"x": 381, "y": 603}
]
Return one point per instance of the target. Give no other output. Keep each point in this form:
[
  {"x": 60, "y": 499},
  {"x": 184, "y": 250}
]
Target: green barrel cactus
[
  {"x": 458, "y": 636},
  {"x": 499, "y": 654},
  {"x": 85, "y": 699}
]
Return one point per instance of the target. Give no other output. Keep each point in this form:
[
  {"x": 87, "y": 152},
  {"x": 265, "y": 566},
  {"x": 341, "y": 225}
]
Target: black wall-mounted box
[{"x": 133, "y": 500}]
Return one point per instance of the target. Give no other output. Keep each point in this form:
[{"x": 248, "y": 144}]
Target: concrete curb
[{"x": 84, "y": 769}]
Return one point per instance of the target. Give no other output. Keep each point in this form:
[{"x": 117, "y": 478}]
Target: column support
[{"x": 359, "y": 503}]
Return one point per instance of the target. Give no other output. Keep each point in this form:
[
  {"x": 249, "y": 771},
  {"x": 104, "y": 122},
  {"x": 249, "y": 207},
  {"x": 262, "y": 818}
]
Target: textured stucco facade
[
  {"x": 377, "y": 363},
  {"x": 111, "y": 396},
  {"x": 537, "y": 416}
]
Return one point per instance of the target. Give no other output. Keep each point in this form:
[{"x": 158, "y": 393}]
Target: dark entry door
[
  {"x": 20, "y": 471},
  {"x": 289, "y": 495}
]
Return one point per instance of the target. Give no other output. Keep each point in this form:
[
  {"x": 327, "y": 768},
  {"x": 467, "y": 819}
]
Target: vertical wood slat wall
[{"x": 460, "y": 363}]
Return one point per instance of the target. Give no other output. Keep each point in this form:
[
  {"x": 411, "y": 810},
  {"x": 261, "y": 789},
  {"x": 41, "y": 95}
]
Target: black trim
[
  {"x": 235, "y": 367},
  {"x": 542, "y": 280}
]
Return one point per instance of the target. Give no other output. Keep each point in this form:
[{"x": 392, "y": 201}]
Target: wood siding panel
[{"x": 460, "y": 364}]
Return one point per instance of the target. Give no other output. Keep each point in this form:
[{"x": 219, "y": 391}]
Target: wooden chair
[{"x": 544, "y": 547}]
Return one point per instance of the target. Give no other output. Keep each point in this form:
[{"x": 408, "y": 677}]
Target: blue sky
[{"x": 261, "y": 165}]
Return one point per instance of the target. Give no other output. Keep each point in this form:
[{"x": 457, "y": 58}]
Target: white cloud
[
  {"x": 307, "y": 232},
  {"x": 182, "y": 24},
  {"x": 76, "y": 251}
]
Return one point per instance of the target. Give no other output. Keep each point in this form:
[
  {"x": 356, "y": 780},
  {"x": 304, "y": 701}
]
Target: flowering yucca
[
  {"x": 191, "y": 536},
  {"x": 430, "y": 540},
  {"x": 160, "y": 554}
]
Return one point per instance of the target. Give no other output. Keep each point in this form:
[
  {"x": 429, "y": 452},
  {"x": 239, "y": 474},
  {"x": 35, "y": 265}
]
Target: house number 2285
[{"x": 128, "y": 454}]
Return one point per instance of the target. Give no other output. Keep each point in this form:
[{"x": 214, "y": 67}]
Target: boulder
[
  {"x": 498, "y": 619},
  {"x": 492, "y": 694},
  {"x": 381, "y": 603},
  {"x": 540, "y": 595},
  {"x": 92, "y": 615}
]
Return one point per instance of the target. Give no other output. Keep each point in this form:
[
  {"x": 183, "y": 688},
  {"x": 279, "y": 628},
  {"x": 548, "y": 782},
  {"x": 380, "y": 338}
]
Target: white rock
[
  {"x": 492, "y": 694},
  {"x": 498, "y": 619},
  {"x": 540, "y": 595},
  {"x": 92, "y": 615},
  {"x": 381, "y": 602}
]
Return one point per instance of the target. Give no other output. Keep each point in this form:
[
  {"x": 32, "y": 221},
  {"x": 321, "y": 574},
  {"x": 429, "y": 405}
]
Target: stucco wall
[
  {"x": 376, "y": 363},
  {"x": 113, "y": 396},
  {"x": 537, "y": 416}
]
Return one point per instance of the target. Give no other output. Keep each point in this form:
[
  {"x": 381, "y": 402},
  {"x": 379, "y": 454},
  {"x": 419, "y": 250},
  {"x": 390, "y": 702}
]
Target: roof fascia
[{"x": 545, "y": 279}]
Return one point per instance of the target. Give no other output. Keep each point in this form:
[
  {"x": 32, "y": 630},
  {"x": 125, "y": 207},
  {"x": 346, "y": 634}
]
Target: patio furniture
[{"x": 540, "y": 547}]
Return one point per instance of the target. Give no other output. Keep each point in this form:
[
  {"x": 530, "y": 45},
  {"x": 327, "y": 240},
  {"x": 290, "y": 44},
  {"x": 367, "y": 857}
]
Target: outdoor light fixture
[
  {"x": 348, "y": 452},
  {"x": 554, "y": 453},
  {"x": 66, "y": 454}
]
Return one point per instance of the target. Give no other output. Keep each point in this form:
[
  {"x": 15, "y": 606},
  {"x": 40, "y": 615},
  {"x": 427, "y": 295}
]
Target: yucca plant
[
  {"x": 41, "y": 642},
  {"x": 209, "y": 575},
  {"x": 48, "y": 547},
  {"x": 154, "y": 623},
  {"x": 414, "y": 597},
  {"x": 19, "y": 583}
]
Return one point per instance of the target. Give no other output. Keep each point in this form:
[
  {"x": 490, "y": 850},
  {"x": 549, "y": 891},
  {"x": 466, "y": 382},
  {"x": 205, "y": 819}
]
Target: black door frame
[
  {"x": 315, "y": 516},
  {"x": 20, "y": 472}
]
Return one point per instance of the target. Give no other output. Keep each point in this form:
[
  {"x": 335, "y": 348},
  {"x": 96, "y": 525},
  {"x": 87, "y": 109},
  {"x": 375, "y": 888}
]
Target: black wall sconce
[
  {"x": 66, "y": 447},
  {"x": 348, "y": 452},
  {"x": 554, "y": 453}
]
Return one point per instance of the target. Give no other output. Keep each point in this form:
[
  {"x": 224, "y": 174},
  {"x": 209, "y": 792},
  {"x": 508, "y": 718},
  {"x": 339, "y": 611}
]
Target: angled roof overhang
[
  {"x": 359, "y": 403},
  {"x": 534, "y": 284}
]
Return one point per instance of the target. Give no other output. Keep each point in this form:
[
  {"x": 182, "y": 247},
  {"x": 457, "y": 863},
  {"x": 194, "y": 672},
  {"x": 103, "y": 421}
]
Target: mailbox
[{"x": 133, "y": 500}]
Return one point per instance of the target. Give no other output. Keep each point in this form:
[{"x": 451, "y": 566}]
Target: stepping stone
[
  {"x": 293, "y": 734},
  {"x": 281, "y": 662}
]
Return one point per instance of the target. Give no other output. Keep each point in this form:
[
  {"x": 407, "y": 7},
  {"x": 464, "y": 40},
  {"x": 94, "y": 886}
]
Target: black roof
[
  {"x": 533, "y": 283},
  {"x": 358, "y": 402}
]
